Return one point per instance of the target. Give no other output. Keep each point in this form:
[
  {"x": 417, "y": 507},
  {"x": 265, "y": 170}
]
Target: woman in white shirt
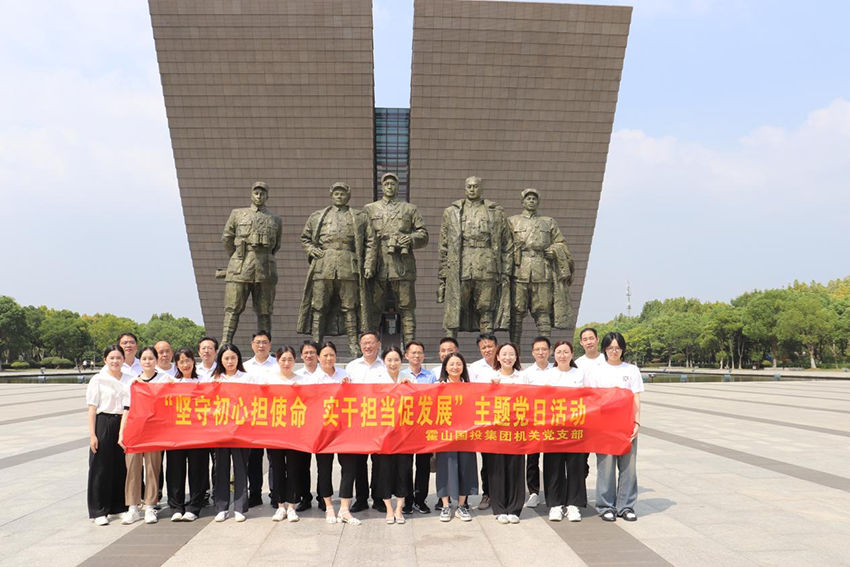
[
  {"x": 328, "y": 373},
  {"x": 389, "y": 472},
  {"x": 105, "y": 395},
  {"x": 563, "y": 473},
  {"x": 617, "y": 496},
  {"x": 287, "y": 465},
  {"x": 181, "y": 461},
  {"x": 152, "y": 459},
  {"x": 506, "y": 473},
  {"x": 229, "y": 369}
]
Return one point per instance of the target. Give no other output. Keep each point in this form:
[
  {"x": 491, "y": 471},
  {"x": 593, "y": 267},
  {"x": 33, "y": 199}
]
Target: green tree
[
  {"x": 104, "y": 329},
  {"x": 13, "y": 328},
  {"x": 64, "y": 333},
  {"x": 759, "y": 316},
  {"x": 34, "y": 317},
  {"x": 721, "y": 330},
  {"x": 179, "y": 332},
  {"x": 806, "y": 319},
  {"x": 639, "y": 341}
]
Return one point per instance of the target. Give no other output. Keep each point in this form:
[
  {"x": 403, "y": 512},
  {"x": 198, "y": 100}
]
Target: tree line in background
[
  {"x": 38, "y": 336},
  {"x": 803, "y": 325}
]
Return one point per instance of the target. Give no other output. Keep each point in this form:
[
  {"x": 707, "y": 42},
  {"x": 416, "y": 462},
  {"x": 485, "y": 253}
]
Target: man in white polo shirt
[
  {"x": 207, "y": 350},
  {"x": 310, "y": 357},
  {"x": 165, "y": 358},
  {"x": 259, "y": 366},
  {"x": 130, "y": 343},
  {"x": 589, "y": 340},
  {"x": 479, "y": 371},
  {"x": 540, "y": 350}
]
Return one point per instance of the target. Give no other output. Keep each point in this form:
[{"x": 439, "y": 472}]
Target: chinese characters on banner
[{"x": 403, "y": 418}]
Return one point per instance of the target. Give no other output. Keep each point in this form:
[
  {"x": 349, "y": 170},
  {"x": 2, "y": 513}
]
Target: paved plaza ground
[{"x": 730, "y": 474}]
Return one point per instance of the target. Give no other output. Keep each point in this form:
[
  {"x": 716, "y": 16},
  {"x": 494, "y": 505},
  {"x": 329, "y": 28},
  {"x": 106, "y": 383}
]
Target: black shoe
[
  {"x": 255, "y": 501},
  {"x": 379, "y": 506},
  {"x": 306, "y": 505},
  {"x": 608, "y": 516},
  {"x": 359, "y": 506},
  {"x": 273, "y": 504},
  {"x": 421, "y": 507},
  {"x": 439, "y": 505},
  {"x": 322, "y": 505}
]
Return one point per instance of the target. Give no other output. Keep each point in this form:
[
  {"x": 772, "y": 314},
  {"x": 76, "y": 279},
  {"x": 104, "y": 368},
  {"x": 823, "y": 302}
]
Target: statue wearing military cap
[
  {"x": 476, "y": 260},
  {"x": 543, "y": 271},
  {"x": 251, "y": 238},
  {"x": 399, "y": 230},
  {"x": 340, "y": 246}
]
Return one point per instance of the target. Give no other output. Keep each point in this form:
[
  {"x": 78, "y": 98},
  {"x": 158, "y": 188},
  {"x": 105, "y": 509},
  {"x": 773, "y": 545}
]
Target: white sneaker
[
  {"x": 101, "y": 521},
  {"x": 573, "y": 514},
  {"x": 131, "y": 516},
  {"x": 291, "y": 515},
  {"x": 220, "y": 517},
  {"x": 150, "y": 516},
  {"x": 240, "y": 517},
  {"x": 503, "y": 519},
  {"x": 513, "y": 518},
  {"x": 177, "y": 517},
  {"x": 189, "y": 517},
  {"x": 533, "y": 501},
  {"x": 279, "y": 515},
  {"x": 556, "y": 514}
]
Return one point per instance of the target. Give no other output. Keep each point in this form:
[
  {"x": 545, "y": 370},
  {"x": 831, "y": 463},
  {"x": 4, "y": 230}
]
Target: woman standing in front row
[
  {"x": 229, "y": 369},
  {"x": 389, "y": 472},
  {"x": 150, "y": 463},
  {"x": 105, "y": 395},
  {"x": 457, "y": 471},
  {"x": 616, "y": 497},
  {"x": 563, "y": 473},
  {"x": 506, "y": 472},
  {"x": 178, "y": 459},
  {"x": 288, "y": 466}
]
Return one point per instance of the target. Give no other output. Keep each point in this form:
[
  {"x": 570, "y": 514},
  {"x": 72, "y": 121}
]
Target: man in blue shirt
[{"x": 414, "y": 352}]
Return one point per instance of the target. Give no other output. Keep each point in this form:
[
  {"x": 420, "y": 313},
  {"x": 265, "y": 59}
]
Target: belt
[
  {"x": 476, "y": 244},
  {"x": 338, "y": 246}
]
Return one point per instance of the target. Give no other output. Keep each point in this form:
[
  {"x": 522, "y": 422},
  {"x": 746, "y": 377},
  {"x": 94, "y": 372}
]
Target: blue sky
[{"x": 728, "y": 168}]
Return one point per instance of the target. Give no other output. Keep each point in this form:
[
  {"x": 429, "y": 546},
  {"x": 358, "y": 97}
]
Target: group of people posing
[{"x": 119, "y": 482}]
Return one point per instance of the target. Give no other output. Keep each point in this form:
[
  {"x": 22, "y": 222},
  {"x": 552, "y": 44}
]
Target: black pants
[
  {"x": 417, "y": 486},
  {"x": 352, "y": 466},
  {"x": 289, "y": 479},
  {"x": 563, "y": 479},
  {"x": 507, "y": 489},
  {"x": 255, "y": 474},
  {"x": 361, "y": 480},
  {"x": 485, "y": 481},
  {"x": 198, "y": 472},
  {"x": 223, "y": 457},
  {"x": 532, "y": 473},
  {"x": 389, "y": 476},
  {"x": 324, "y": 475},
  {"x": 307, "y": 496},
  {"x": 107, "y": 469}
]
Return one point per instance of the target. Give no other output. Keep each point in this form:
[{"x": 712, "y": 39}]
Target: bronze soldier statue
[
  {"x": 476, "y": 260},
  {"x": 251, "y": 238},
  {"x": 340, "y": 246},
  {"x": 543, "y": 271},
  {"x": 399, "y": 230}
]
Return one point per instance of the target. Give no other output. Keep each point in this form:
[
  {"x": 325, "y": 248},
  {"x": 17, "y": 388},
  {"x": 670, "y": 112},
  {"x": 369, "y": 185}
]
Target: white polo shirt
[
  {"x": 321, "y": 377},
  {"x": 171, "y": 371},
  {"x": 587, "y": 363},
  {"x": 517, "y": 377},
  {"x": 258, "y": 369},
  {"x": 205, "y": 373},
  {"x": 535, "y": 373},
  {"x": 238, "y": 378},
  {"x": 479, "y": 371},
  {"x": 359, "y": 371},
  {"x": 132, "y": 369},
  {"x": 623, "y": 375},
  {"x": 304, "y": 373},
  {"x": 574, "y": 378}
]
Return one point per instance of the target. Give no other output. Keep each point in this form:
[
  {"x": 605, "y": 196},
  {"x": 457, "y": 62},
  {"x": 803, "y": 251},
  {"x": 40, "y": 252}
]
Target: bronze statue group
[{"x": 131, "y": 484}]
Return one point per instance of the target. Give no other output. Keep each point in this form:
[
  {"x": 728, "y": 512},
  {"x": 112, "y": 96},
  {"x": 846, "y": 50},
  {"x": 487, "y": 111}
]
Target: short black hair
[
  {"x": 450, "y": 340},
  {"x": 127, "y": 334},
  {"x": 261, "y": 333},
  {"x": 486, "y": 337},
  {"x": 390, "y": 349},
  {"x": 149, "y": 348},
  {"x": 444, "y": 375},
  {"x": 112, "y": 348},
  {"x": 310, "y": 343},
  {"x": 367, "y": 333},
  {"x": 414, "y": 342},
  {"x": 327, "y": 344},
  {"x": 190, "y": 354},
  {"x": 586, "y": 329},
  {"x": 215, "y": 341},
  {"x": 541, "y": 339},
  {"x": 497, "y": 365},
  {"x": 283, "y": 349},
  {"x": 610, "y": 338}
]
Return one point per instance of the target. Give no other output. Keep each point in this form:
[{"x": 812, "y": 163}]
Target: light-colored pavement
[{"x": 730, "y": 474}]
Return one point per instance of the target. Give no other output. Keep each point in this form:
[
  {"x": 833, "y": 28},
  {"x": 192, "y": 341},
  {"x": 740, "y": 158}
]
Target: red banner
[{"x": 403, "y": 418}]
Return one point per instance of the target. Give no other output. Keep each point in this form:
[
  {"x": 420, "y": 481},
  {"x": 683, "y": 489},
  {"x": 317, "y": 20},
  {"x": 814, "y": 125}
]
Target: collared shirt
[
  {"x": 171, "y": 371},
  {"x": 304, "y": 373},
  {"x": 157, "y": 378},
  {"x": 107, "y": 393},
  {"x": 322, "y": 377},
  {"x": 382, "y": 378},
  {"x": 205, "y": 373},
  {"x": 275, "y": 379},
  {"x": 260, "y": 369},
  {"x": 586, "y": 363},
  {"x": 534, "y": 372},
  {"x": 238, "y": 378},
  {"x": 479, "y": 371},
  {"x": 358, "y": 370},
  {"x": 517, "y": 377},
  {"x": 424, "y": 376},
  {"x": 132, "y": 369},
  {"x": 574, "y": 378},
  {"x": 623, "y": 375}
]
